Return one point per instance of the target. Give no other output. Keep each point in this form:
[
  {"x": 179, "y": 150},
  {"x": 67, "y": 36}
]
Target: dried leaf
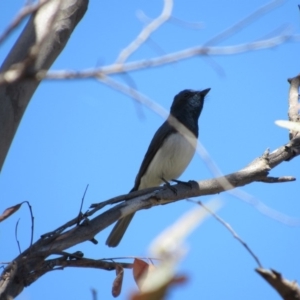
[
  {"x": 117, "y": 284},
  {"x": 140, "y": 267},
  {"x": 142, "y": 271},
  {"x": 9, "y": 211}
]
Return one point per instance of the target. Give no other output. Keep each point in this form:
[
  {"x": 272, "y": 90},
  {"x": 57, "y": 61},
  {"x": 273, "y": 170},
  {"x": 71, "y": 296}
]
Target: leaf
[
  {"x": 117, "y": 284},
  {"x": 9, "y": 211},
  {"x": 141, "y": 271}
]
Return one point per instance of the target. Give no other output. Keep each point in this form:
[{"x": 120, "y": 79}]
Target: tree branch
[
  {"x": 288, "y": 290},
  {"x": 40, "y": 43},
  {"x": 166, "y": 59},
  {"x": 33, "y": 260}
]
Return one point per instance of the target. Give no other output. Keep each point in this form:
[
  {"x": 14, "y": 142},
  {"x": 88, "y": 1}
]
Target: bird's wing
[{"x": 159, "y": 137}]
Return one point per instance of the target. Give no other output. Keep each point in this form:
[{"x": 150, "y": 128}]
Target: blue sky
[{"x": 81, "y": 132}]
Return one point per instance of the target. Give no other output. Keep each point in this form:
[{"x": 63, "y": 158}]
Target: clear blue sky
[{"x": 81, "y": 132}]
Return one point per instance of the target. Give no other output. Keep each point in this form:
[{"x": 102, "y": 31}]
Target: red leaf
[{"x": 139, "y": 269}]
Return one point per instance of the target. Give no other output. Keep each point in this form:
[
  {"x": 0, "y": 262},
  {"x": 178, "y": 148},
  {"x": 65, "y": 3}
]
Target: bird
[{"x": 170, "y": 151}]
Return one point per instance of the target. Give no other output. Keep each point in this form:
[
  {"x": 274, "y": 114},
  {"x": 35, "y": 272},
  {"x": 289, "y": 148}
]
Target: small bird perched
[{"x": 169, "y": 152}]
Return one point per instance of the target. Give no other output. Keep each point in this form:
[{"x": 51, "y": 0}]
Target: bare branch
[
  {"x": 228, "y": 226},
  {"x": 121, "y": 67},
  {"x": 32, "y": 221},
  {"x": 146, "y": 32},
  {"x": 288, "y": 290},
  {"x": 255, "y": 171},
  {"x": 16, "y": 236},
  {"x": 165, "y": 59},
  {"x": 244, "y": 22},
  {"x": 80, "y": 210},
  {"x": 28, "y": 55}
]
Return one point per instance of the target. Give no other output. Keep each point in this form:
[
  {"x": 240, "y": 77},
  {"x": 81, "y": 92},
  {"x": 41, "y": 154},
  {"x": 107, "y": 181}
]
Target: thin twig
[
  {"x": 16, "y": 236},
  {"x": 97, "y": 206},
  {"x": 80, "y": 210},
  {"x": 228, "y": 226},
  {"x": 244, "y": 22},
  {"x": 32, "y": 221},
  {"x": 94, "y": 294},
  {"x": 182, "y": 23},
  {"x": 131, "y": 257},
  {"x": 163, "y": 60},
  {"x": 146, "y": 32}
]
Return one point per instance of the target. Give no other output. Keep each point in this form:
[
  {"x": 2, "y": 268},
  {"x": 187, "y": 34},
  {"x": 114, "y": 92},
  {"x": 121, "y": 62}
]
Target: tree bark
[{"x": 40, "y": 43}]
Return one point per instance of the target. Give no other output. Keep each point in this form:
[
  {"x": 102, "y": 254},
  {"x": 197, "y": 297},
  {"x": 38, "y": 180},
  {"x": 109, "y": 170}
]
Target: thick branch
[{"x": 40, "y": 43}]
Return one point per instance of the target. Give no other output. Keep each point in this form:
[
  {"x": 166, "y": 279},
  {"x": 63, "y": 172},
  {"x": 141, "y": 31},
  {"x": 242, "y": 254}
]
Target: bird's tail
[{"x": 118, "y": 231}]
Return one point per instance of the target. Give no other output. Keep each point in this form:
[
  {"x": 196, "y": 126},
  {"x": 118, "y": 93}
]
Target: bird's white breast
[{"x": 170, "y": 160}]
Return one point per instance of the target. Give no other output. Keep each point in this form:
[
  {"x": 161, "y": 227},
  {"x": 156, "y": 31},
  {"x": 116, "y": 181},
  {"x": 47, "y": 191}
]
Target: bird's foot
[
  {"x": 169, "y": 186},
  {"x": 186, "y": 183}
]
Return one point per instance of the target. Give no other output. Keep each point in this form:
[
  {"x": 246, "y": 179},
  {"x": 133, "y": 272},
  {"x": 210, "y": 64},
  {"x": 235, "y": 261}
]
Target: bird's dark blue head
[{"x": 187, "y": 107}]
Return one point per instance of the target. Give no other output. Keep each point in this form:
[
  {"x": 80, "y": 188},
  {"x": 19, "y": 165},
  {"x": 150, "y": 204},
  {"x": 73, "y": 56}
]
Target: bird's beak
[{"x": 205, "y": 92}]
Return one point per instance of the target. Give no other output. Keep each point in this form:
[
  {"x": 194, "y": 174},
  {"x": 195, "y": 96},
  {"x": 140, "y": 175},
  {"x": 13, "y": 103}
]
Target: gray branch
[{"x": 40, "y": 43}]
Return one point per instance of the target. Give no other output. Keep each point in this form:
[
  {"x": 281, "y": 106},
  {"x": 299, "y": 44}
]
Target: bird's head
[{"x": 188, "y": 102}]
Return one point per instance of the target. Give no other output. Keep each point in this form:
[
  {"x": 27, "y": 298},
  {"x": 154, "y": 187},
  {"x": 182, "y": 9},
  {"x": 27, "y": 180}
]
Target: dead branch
[{"x": 231, "y": 230}]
